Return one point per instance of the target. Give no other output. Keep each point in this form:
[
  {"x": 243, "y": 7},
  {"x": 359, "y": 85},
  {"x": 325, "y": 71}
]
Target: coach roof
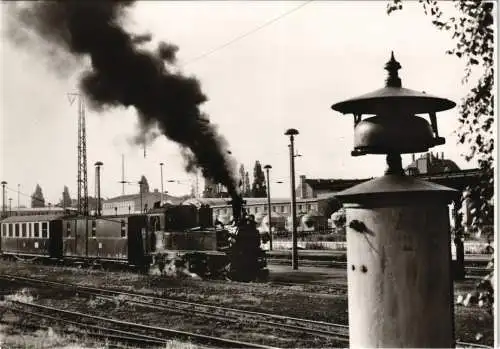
[{"x": 36, "y": 218}]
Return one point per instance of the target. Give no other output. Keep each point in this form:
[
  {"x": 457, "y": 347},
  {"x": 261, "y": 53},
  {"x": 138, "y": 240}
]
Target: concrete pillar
[{"x": 400, "y": 286}]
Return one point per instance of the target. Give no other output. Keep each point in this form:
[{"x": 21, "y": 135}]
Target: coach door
[
  {"x": 69, "y": 237},
  {"x": 82, "y": 233}
]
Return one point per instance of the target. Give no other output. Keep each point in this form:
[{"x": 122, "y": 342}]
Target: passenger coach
[{"x": 32, "y": 236}]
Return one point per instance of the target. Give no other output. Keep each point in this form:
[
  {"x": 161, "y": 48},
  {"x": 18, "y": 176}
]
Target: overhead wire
[
  {"x": 24, "y": 194},
  {"x": 244, "y": 35}
]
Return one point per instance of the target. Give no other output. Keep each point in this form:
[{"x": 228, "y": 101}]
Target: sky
[{"x": 285, "y": 75}]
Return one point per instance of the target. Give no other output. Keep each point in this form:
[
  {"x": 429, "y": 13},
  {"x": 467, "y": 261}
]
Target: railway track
[
  {"x": 124, "y": 331},
  {"x": 337, "y": 332},
  {"x": 470, "y": 270}
]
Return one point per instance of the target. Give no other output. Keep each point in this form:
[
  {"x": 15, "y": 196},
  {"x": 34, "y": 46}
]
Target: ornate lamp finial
[{"x": 392, "y": 67}]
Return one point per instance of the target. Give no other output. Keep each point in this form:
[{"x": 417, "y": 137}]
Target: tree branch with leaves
[{"x": 472, "y": 34}]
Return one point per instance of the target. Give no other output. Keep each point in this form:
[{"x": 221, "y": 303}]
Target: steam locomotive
[{"x": 180, "y": 234}]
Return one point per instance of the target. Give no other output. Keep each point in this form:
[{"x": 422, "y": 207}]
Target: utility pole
[
  {"x": 10, "y": 206},
  {"x": 98, "y": 165},
  {"x": 295, "y": 258},
  {"x": 268, "y": 167},
  {"x": 123, "y": 175},
  {"x": 83, "y": 203},
  {"x": 161, "y": 175},
  {"x": 4, "y": 183}
]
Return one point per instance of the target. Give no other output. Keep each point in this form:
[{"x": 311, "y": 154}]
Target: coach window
[
  {"x": 282, "y": 209},
  {"x": 94, "y": 228},
  {"x": 17, "y": 230},
  {"x": 4, "y": 230},
  {"x": 23, "y": 230},
  {"x": 44, "y": 230},
  {"x": 123, "y": 231},
  {"x": 36, "y": 229},
  {"x": 274, "y": 208},
  {"x": 68, "y": 229},
  {"x": 308, "y": 207},
  {"x": 30, "y": 229}
]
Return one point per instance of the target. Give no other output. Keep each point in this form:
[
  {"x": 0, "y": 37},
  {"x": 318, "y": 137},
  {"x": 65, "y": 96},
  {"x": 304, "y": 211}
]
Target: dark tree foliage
[
  {"x": 66, "y": 198},
  {"x": 472, "y": 32},
  {"x": 143, "y": 185},
  {"x": 472, "y": 35},
  {"x": 332, "y": 205},
  {"x": 37, "y": 199},
  {"x": 246, "y": 184},
  {"x": 259, "y": 182}
]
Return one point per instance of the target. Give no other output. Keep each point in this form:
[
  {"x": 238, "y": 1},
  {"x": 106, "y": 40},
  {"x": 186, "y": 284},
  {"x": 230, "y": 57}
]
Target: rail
[
  {"x": 338, "y": 332},
  {"x": 136, "y": 331}
]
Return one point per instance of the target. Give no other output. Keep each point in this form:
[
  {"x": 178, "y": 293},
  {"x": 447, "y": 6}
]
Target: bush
[{"x": 315, "y": 246}]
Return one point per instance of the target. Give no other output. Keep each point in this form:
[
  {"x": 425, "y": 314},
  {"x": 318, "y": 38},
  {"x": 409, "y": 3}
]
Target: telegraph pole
[
  {"x": 268, "y": 167},
  {"x": 3, "y": 199},
  {"x": 123, "y": 175},
  {"x": 161, "y": 175}
]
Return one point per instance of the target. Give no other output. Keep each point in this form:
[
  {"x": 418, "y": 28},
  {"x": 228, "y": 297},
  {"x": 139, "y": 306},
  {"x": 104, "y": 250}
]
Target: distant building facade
[
  {"x": 135, "y": 203},
  {"x": 429, "y": 163}
]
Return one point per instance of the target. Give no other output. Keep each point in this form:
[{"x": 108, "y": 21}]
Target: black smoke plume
[{"x": 123, "y": 73}]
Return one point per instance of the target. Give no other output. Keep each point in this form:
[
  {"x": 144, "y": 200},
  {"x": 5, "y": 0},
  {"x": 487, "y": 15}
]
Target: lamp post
[
  {"x": 98, "y": 165},
  {"x": 295, "y": 258},
  {"x": 4, "y": 183},
  {"x": 268, "y": 167},
  {"x": 161, "y": 175},
  {"x": 10, "y": 206},
  {"x": 400, "y": 288}
]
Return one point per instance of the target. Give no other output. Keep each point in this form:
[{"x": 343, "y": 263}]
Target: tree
[
  {"x": 259, "y": 182},
  {"x": 246, "y": 185},
  {"x": 66, "y": 199},
  {"x": 37, "y": 199},
  {"x": 242, "y": 180},
  {"x": 144, "y": 186},
  {"x": 473, "y": 36}
]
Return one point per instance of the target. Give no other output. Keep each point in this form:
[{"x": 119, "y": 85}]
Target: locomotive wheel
[{"x": 198, "y": 264}]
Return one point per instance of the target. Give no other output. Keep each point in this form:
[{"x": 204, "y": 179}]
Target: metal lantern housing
[{"x": 395, "y": 128}]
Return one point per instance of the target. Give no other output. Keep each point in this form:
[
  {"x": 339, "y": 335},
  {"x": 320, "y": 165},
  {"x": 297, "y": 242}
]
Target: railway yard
[{"x": 61, "y": 306}]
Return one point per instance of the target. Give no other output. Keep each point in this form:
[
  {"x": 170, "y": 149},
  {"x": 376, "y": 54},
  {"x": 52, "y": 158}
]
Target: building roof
[
  {"x": 333, "y": 184},
  {"x": 37, "y": 209},
  {"x": 145, "y": 196},
  {"x": 223, "y": 202},
  {"x": 453, "y": 179}
]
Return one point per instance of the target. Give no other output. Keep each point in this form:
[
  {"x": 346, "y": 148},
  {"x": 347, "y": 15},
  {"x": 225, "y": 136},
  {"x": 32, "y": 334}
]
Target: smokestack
[
  {"x": 124, "y": 73},
  {"x": 303, "y": 187},
  {"x": 238, "y": 209}
]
